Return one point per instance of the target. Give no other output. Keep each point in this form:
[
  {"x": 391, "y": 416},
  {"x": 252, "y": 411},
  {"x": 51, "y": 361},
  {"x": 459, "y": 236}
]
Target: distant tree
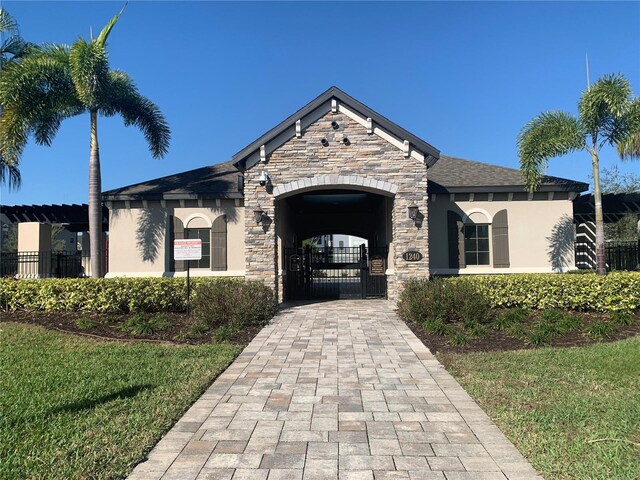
[
  {"x": 9, "y": 237},
  {"x": 613, "y": 181},
  {"x": 607, "y": 114},
  {"x": 58, "y": 82},
  {"x": 12, "y": 48}
]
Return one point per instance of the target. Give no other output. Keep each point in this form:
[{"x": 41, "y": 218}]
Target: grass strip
[
  {"x": 573, "y": 412},
  {"x": 76, "y": 408}
]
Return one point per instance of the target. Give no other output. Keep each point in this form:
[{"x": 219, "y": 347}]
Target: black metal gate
[{"x": 335, "y": 272}]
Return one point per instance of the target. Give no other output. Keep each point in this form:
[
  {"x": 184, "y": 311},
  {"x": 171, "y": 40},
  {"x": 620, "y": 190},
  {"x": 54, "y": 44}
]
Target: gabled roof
[
  {"x": 214, "y": 181},
  {"x": 431, "y": 153},
  {"x": 451, "y": 175}
]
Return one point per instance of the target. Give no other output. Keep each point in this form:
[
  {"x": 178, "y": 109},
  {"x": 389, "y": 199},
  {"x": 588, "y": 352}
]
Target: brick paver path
[{"x": 335, "y": 390}]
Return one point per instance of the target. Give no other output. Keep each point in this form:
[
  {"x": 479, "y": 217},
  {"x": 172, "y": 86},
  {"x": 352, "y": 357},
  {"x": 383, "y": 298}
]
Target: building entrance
[
  {"x": 350, "y": 262},
  {"x": 334, "y": 272}
]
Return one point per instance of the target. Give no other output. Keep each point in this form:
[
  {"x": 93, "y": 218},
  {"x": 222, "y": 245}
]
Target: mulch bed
[
  {"x": 107, "y": 326},
  {"x": 500, "y": 341}
]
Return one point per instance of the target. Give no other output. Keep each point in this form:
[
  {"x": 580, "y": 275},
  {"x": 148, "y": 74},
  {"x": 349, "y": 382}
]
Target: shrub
[
  {"x": 141, "y": 324},
  {"x": 101, "y": 295},
  {"x": 436, "y": 326},
  {"x": 540, "y": 335},
  {"x": 474, "y": 328},
  {"x": 622, "y": 318},
  {"x": 233, "y": 302},
  {"x": 439, "y": 299},
  {"x": 458, "y": 339},
  {"x": 224, "y": 332},
  {"x": 84, "y": 323},
  {"x": 600, "y": 329},
  {"x": 198, "y": 329},
  {"x": 504, "y": 320},
  {"x": 616, "y": 291},
  {"x": 122, "y": 295}
]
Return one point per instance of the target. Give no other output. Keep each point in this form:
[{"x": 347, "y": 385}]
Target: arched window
[
  {"x": 475, "y": 237},
  {"x": 200, "y": 228}
]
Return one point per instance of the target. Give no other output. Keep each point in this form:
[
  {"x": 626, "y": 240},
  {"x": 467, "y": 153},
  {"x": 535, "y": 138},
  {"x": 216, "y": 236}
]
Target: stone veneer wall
[{"x": 366, "y": 156}]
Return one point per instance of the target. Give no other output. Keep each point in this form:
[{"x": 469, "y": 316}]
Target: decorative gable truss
[{"x": 336, "y": 101}]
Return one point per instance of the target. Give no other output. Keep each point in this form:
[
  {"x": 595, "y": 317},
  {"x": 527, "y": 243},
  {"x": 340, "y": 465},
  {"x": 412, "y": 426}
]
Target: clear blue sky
[{"x": 463, "y": 76}]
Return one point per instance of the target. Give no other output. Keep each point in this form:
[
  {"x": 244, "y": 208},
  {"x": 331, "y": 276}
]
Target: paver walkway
[{"x": 335, "y": 390}]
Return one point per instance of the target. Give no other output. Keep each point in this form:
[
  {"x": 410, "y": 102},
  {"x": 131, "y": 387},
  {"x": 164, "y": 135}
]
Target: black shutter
[
  {"x": 219, "y": 243},
  {"x": 500, "y": 239},
  {"x": 455, "y": 230},
  {"x": 177, "y": 232}
]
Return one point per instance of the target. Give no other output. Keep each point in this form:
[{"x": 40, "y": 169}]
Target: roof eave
[
  {"x": 577, "y": 187},
  {"x": 171, "y": 196}
]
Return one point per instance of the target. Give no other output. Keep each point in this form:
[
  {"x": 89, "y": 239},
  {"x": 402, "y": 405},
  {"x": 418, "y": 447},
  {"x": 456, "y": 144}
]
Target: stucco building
[{"x": 337, "y": 167}]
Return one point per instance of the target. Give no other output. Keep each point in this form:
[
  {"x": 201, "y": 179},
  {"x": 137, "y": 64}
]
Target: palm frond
[
  {"x": 603, "y": 106},
  {"x": 124, "y": 99},
  {"x": 89, "y": 70},
  {"x": 37, "y": 94},
  {"x": 550, "y": 134},
  {"x": 10, "y": 175},
  {"x": 14, "y": 46},
  {"x": 629, "y": 145},
  {"x": 104, "y": 34},
  {"x": 7, "y": 23}
]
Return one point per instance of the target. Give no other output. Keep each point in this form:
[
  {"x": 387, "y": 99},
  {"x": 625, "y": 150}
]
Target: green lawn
[
  {"x": 573, "y": 412},
  {"x": 78, "y": 408}
]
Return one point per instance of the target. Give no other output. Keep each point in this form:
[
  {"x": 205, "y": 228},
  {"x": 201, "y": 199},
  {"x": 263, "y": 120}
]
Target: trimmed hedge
[
  {"x": 104, "y": 295},
  {"x": 614, "y": 292},
  {"x": 441, "y": 300},
  {"x": 232, "y": 302}
]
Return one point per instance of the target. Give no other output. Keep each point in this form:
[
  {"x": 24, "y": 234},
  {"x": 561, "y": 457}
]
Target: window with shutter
[
  {"x": 500, "y": 239},
  {"x": 455, "y": 240},
  {"x": 177, "y": 232},
  {"x": 219, "y": 243}
]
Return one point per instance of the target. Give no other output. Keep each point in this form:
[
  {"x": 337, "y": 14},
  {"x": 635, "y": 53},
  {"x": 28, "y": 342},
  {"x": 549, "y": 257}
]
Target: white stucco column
[{"x": 34, "y": 250}]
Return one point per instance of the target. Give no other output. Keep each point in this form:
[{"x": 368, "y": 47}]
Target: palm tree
[
  {"x": 12, "y": 49},
  {"x": 58, "y": 82},
  {"x": 607, "y": 114}
]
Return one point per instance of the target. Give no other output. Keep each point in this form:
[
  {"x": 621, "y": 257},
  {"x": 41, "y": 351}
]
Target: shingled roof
[
  {"x": 448, "y": 175},
  {"x": 214, "y": 181},
  {"x": 456, "y": 175}
]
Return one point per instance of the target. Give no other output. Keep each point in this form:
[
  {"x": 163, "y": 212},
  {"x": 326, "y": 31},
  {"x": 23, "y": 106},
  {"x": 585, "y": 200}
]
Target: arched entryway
[{"x": 334, "y": 242}]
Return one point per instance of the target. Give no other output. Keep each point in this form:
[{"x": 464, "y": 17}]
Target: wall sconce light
[
  {"x": 259, "y": 215},
  {"x": 346, "y": 141},
  {"x": 335, "y": 125},
  {"x": 324, "y": 142},
  {"x": 264, "y": 178},
  {"x": 413, "y": 212}
]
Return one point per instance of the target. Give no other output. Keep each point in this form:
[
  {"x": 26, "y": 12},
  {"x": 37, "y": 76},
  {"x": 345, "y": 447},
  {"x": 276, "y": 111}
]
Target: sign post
[{"x": 187, "y": 249}]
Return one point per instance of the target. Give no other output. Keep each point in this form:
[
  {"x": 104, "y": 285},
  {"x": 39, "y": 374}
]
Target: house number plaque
[{"x": 412, "y": 256}]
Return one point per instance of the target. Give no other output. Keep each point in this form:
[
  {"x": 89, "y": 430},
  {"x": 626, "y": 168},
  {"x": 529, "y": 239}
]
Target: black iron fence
[
  {"x": 41, "y": 264},
  {"x": 618, "y": 255}
]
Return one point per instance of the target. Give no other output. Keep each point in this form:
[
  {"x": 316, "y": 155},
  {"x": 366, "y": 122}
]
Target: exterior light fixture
[
  {"x": 258, "y": 215},
  {"x": 346, "y": 141},
  {"x": 413, "y": 211},
  {"x": 324, "y": 142},
  {"x": 335, "y": 125}
]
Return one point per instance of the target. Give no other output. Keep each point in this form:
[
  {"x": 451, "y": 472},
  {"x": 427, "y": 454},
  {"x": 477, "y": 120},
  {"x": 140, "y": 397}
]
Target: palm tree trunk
[
  {"x": 95, "y": 201},
  {"x": 601, "y": 267}
]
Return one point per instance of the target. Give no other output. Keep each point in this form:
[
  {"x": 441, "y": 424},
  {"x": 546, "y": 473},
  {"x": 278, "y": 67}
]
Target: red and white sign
[{"x": 187, "y": 249}]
